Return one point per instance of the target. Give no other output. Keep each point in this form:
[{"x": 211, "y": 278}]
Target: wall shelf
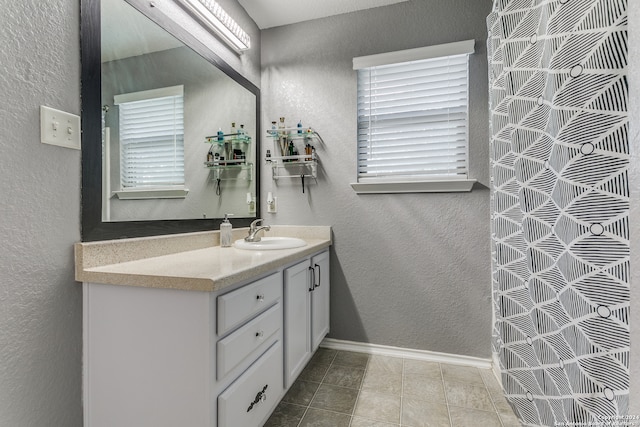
[
  {"x": 284, "y": 158},
  {"x": 296, "y": 165}
]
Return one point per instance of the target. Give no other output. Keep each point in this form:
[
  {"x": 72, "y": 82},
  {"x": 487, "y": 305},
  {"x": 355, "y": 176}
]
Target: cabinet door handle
[
  {"x": 260, "y": 397},
  {"x": 312, "y": 285},
  {"x": 260, "y": 297},
  {"x": 260, "y": 334},
  {"x": 319, "y": 275}
]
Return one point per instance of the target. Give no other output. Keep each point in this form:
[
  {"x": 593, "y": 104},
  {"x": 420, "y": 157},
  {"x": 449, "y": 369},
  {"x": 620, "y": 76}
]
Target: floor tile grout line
[
  {"x": 353, "y": 411},
  {"x": 493, "y": 403},
  {"x": 308, "y": 406},
  {"x": 446, "y": 397},
  {"x": 401, "y": 392}
]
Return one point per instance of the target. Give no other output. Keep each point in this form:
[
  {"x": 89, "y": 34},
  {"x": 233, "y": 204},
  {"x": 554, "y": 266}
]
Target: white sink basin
[{"x": 270, "y": 243}]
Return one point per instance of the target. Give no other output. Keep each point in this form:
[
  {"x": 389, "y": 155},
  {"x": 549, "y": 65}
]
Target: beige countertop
[{"x": 192, "y": 261}]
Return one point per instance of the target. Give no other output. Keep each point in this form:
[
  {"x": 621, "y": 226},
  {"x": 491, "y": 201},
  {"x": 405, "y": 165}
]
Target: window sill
[
  {"x": 152, "y": 193},
  {"x": 441, "y": 186}
]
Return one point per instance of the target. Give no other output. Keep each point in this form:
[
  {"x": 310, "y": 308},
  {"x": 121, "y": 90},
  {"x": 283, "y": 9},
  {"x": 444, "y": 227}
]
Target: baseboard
[
  {"x": 384, "y": 350},
  {"x": 495, "y": 367}
]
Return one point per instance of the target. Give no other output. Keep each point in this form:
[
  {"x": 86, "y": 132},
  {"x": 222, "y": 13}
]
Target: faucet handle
[{"x": 255, "y": 223}]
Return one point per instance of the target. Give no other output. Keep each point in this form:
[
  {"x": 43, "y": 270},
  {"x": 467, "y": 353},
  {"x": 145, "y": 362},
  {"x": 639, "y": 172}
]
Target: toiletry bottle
[
  {"x": 241, "y": 132},
  {"x": 228, "y": 152},
  {"x": 220, "y": 135},
  {"x": 228, "y": 144},
  {"x": 226, "y": 232},
  {"x": 300, "y": 127},
  {"x": 251, "y": 203},
  {"x": 291, "y": 151},
  {"x": 273, "y": 128}
]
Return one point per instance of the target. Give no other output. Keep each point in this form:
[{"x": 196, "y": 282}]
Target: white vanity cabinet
[
  {"x": 306, "y": 300},
  {"x": 319, "y": 299},
  {"x": 157, "y": 357}
]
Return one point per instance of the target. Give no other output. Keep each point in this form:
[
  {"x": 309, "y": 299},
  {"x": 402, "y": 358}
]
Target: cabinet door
[
  {"x": 297, "y": 316},
  {"x": 320, "y": 299}
]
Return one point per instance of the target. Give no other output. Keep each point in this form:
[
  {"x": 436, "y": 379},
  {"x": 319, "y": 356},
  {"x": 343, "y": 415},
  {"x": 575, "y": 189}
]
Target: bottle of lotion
[{"x": 226, "y": 232}]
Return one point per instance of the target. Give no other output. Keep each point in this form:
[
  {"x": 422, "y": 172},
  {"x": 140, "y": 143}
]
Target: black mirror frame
[{"x": 93, "y": 228}]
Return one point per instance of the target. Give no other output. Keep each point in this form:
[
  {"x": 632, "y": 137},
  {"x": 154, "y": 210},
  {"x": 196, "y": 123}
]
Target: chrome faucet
[{"x": 254, "y": 229}]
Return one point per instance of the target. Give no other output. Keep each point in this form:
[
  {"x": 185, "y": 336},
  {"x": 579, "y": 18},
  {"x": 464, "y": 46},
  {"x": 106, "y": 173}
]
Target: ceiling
[{"x": 274, "y": 13}]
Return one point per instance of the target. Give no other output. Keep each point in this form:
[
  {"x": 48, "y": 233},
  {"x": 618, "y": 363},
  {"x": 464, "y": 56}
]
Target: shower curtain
[{"x": 559, "y": 208}]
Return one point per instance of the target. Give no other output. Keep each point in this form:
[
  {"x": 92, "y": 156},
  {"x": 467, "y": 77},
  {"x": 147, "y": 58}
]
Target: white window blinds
[
  {"x": 151, "y": 138},
  {"x": 413, "y": 114}
]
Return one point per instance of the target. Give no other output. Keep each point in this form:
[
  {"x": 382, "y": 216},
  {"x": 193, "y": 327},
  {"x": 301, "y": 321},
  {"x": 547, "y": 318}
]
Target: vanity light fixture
[{"x": 215, "y": 18}]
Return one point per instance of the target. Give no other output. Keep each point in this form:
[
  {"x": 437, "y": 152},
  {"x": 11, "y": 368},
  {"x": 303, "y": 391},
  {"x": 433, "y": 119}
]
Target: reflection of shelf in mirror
[
  {"x": 233, "y": 138},
  {"x": 243, "y": 170},
  {"x": 228, "y": 163}
]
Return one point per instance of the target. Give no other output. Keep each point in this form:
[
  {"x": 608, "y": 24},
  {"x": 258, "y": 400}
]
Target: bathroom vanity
[{"x": 180, "y": 331}]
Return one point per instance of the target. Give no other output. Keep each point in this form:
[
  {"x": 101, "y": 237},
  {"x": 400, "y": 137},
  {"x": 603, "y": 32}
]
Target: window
[
  {"x": 151, "y": 142},
  {"x": 413, "y": 120}
]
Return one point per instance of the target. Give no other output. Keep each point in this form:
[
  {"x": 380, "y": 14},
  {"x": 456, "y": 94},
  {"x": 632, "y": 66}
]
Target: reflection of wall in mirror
[
  {"x": 212, "y": 101},
  {"x": 106, "y": 167}
]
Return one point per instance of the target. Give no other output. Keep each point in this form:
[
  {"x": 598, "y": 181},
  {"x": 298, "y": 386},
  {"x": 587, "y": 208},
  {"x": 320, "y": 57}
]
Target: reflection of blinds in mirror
[{"x": 151, "y": 138}]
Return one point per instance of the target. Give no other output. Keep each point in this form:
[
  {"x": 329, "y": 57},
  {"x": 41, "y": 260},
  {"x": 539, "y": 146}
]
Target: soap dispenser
[{"x": 226, "y": 232}]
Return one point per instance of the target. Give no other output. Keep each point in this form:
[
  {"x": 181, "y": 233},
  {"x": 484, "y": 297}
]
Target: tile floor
[{"x": 346, "y": 389}]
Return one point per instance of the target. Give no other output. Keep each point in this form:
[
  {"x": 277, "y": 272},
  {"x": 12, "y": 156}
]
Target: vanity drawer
[
  {"x": 240, "y": 305},
  {"x": 250, "y": 399},
  {"x": 238, "y": 346}
]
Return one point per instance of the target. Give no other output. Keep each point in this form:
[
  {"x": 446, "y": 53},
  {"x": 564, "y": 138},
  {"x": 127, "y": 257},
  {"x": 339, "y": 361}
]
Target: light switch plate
[{"x": 59, "y": 128}]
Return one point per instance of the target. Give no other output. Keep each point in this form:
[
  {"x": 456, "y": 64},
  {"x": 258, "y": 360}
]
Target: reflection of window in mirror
[{"x": 151, "y": 138}]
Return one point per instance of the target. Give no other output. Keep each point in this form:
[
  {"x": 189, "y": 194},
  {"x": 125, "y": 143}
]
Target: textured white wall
[
  {"x": 408, "y": 270},
  {"x": 634, "y": 216},
  {"x": 40, "y": 304}
]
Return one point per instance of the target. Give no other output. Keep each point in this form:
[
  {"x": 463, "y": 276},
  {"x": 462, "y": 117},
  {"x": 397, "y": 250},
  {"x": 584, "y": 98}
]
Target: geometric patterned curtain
[{"x": 560, "y": 208}]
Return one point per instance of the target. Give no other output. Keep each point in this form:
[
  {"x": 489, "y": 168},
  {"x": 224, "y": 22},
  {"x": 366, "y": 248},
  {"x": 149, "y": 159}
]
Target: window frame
[
  {"x": 415, "y": 183},
  {"x": 176, "y": 191}
]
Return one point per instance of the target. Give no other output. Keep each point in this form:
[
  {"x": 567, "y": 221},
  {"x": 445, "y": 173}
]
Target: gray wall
[
  {"x": 392, "y": 295},
  {"x": 634, "y": 216},
  {"x": 40, "y": 304},
  {"x": 408, "y": 270}
]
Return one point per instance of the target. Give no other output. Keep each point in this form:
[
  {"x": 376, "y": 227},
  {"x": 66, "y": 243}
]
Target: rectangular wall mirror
[{"x": 170, "y": 131}]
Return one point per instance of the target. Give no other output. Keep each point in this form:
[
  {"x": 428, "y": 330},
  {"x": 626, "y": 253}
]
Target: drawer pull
[
  {"x": 312, "y": 285},
  {"x": 260, "y": 334},
  {"x": 260, "y": 297},
  {"x": 260, "y": 397},
  {"x": 319, "y": 276}
]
